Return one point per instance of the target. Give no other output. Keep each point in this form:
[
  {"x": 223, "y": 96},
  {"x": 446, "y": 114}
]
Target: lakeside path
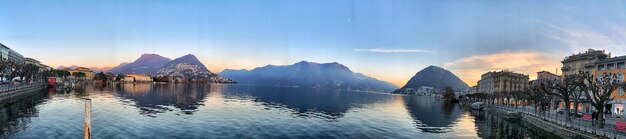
[
  {"x": 9, "y": 92},
  {"x": 576, "y": 128}
]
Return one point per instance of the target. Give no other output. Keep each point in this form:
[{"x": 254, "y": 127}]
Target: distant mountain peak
[
  {"x": 437, "y": 77},
  {"x": 190, "y": 67},
  {"x": 148, "y": 63},
  {"x": 309, "y": 74}
]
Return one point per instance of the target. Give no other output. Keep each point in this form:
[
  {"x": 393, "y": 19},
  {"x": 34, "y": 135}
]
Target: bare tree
[
  {"x": 598, "y": 90},
  {"x": 565, "y": 89},
  {"x": 536, "y": 94}
]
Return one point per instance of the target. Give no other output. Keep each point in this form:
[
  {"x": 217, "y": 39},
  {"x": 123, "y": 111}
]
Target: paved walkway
[{"x": 575, "y": 123}]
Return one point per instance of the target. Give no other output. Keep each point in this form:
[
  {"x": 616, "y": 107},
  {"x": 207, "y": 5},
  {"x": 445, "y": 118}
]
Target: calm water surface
[{"x": 246, "y": 111}]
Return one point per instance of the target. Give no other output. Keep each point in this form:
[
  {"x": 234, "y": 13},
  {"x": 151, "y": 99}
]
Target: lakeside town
[
  {"x": 586, "y": 99},
  {"x": 313, "y": 69}
]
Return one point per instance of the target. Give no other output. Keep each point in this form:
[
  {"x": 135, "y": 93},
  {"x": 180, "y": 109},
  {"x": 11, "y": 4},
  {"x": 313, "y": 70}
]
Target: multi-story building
[
  {"x": 473, "y": 89},
  {"x": 502, "y": 81},
  {"x": 7, "y": 53},
  {"x": 615, "y": 65},
  {"x": 88, "y": 73},
  {"x": 137, "y": 78},
  {"x": 583, "y": 61},
  {"x": 35, "y": 62},
  {"x": 545, "y": 77}
]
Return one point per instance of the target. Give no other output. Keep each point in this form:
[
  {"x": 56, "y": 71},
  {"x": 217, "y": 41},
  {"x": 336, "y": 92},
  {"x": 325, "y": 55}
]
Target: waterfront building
[
  {"x": 422, "y": 90},
  {"x": 615, "y": 65},
  {"x": 473, "y": 89},
  {"x": 583, "y": 61},
  {"x": 502, "y": 81},
  {"x": 88, "y": 73},
  {"x": 35, "y": 62},
  {"x": 137, "y": 78},
  {"x": 7, "y": 53},
  {"x": 544, "y": 77}
]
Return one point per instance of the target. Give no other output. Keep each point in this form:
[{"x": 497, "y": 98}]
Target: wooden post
[{"x": 87, "y": 118}]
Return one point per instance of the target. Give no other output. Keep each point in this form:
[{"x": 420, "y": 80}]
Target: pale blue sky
[{"x": 386, "y": 39}]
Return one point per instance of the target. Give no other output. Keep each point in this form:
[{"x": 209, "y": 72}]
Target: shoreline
[
  {"x": 7, "y": 97},
  {"x": 557, "y": 129}
]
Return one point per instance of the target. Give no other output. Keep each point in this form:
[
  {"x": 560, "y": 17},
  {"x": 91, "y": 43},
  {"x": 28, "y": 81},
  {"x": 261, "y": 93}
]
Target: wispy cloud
[
  {"x": 580, "y": 37},
  {"x": 386, "y": 50},
  {"x": 528, "y": 62}
]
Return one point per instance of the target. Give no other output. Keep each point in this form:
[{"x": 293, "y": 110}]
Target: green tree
[
  {"x": 101, "y": 76},
  {"x": 119, "y": 77},
  {"x": 62, "y": 73},
  {"x": 448, "y": 93},
  {"x": 78, "y": 74}
]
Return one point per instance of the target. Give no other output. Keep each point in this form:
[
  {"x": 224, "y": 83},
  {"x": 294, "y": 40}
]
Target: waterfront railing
[
  {"x": 14, "y": 87},
  {"x": 586, "y": 126}
]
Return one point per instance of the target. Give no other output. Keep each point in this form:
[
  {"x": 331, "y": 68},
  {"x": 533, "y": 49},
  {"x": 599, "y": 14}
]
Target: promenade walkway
[
  {"x": 11, "y": 87},
  {"x": 584, "y": 126},
  {"x": 9, "y": 91}
]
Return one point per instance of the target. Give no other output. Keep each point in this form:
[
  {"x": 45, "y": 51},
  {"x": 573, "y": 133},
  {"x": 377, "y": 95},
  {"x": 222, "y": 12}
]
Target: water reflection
[
  {"x": 431, "y": 115},
  {"x": 493, "y": 125},
  {"x": 152, "y": 99},
  {"x": 246, "y": 111},
  {"x": 306, "y": 102},
  {"x": 15, "y": 116}
]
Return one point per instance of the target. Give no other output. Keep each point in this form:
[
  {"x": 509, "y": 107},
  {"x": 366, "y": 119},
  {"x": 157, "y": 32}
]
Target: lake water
[{"x": 246, "y": 111}]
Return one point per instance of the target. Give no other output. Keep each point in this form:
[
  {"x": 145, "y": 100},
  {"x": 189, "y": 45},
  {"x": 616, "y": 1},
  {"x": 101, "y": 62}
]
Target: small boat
[{"x": 478, "y": 105}]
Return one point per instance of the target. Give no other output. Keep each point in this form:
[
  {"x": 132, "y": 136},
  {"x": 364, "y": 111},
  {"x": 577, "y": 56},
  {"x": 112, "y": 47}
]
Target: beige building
[
  {"x": 473, "y": 89},
  {"x": 88, "y": 73},
  {"x": 35, "y": 62},
  {"x": 583, "y": 61},
  {"x": 545, "y": 75},
  {"x": 502, "y": 81},
  {"x": 137, "y": 78}
]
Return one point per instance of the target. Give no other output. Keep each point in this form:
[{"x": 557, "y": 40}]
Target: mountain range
[
  {"x": 309, "y": 74},
  {"x": 189, "y": 67},
  {"x": 94, "y": 69},
  {"x": 437, "y": 78},
  {"x": 146, "y": 64}
]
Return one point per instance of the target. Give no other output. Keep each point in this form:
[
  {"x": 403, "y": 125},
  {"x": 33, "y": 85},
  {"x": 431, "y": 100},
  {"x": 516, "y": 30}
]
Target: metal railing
[
  {"x": 13, "y": 87},
  {"x": 585, "y": 126}
]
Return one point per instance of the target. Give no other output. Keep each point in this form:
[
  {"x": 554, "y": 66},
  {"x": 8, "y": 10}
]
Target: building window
[
  {"x": 620, "y": 77},
  {"x": 610, "y": 66},
  {"x": 600, "y": 67},
  {"x": 621, "y": 65}
]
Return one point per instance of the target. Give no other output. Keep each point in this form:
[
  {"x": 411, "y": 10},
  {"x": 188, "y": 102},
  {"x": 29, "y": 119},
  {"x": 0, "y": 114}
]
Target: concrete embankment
[
  {"x": 10, "y": 96},
  {"x": 551, "y": 127}
]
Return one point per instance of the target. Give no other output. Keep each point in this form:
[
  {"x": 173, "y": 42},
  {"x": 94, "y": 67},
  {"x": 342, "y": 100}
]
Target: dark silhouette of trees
[
  {"x": 536, "y": 94},
  {"x": 565, "y": 89},
  {"x": 78, "y": 74},
  {"x": 448, "y": 93},
  {"x": 62, "y": 73}
]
